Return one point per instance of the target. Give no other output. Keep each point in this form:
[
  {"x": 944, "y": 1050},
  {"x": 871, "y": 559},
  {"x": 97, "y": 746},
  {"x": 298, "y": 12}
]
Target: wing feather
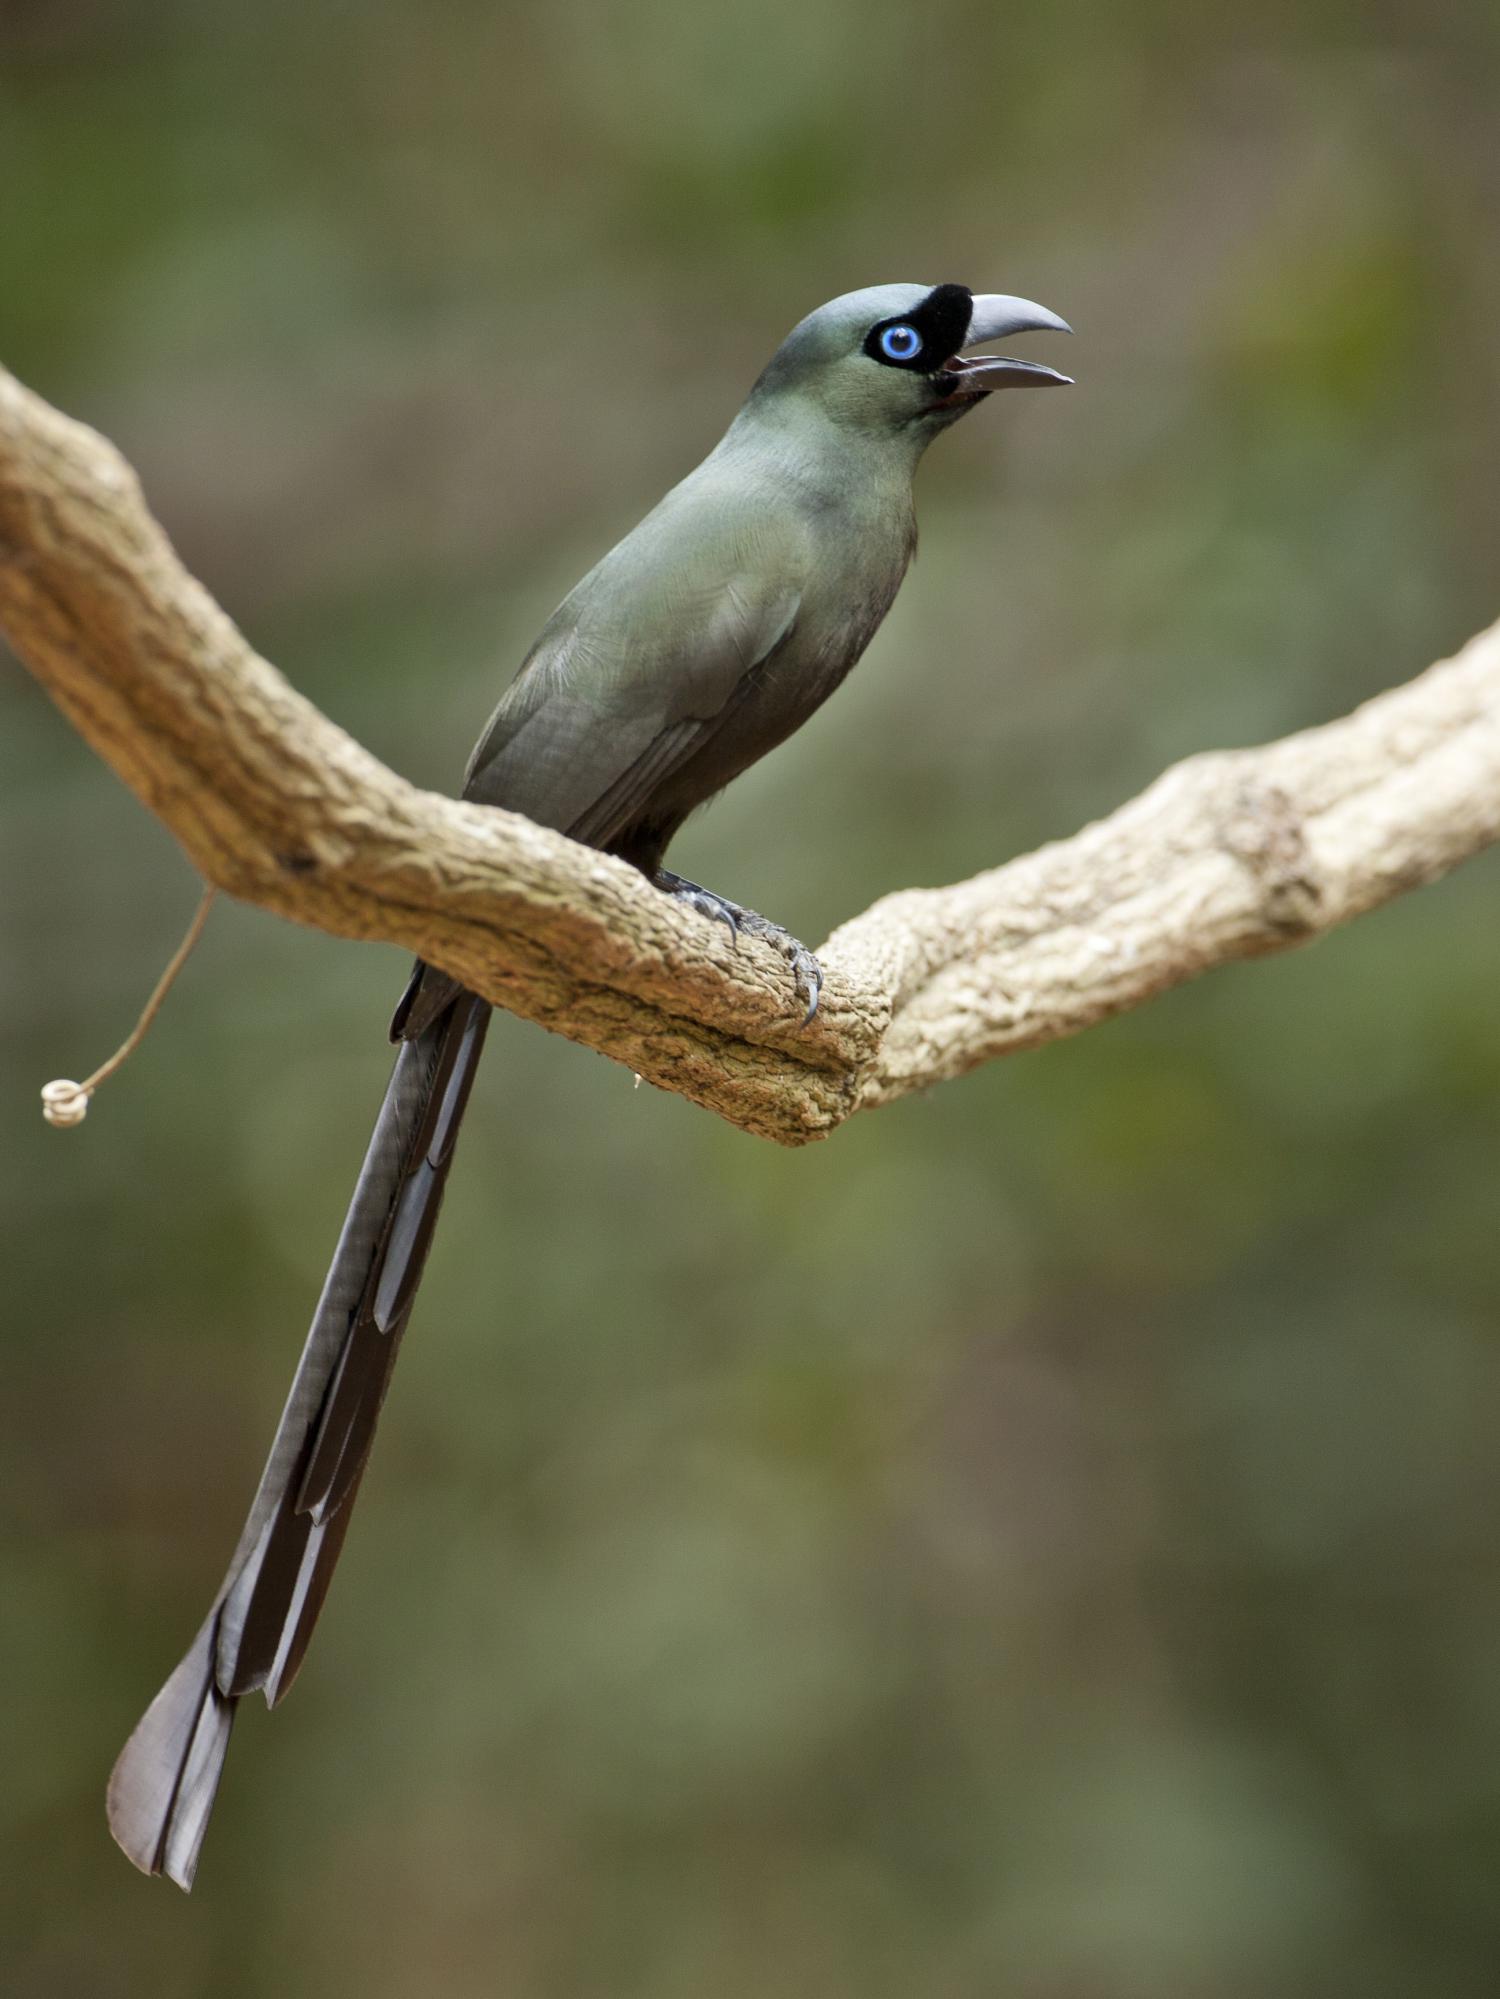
[{"x": 636, "y": 670}]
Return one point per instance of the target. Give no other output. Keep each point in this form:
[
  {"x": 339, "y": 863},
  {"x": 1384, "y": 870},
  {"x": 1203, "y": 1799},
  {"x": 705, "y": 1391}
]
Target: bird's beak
[{"x": 995, "y": 317}]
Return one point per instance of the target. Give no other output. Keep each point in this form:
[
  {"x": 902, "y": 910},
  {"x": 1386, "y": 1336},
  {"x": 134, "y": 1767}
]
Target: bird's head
[{"x": 890, "y": 360}]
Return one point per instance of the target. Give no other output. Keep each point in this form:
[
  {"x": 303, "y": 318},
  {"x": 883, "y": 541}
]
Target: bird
[{"x": 703, "y": 639}]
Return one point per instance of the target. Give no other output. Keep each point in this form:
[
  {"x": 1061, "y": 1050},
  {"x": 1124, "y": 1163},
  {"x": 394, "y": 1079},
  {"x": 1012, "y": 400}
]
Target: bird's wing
[{"x": 632, "y": 675}]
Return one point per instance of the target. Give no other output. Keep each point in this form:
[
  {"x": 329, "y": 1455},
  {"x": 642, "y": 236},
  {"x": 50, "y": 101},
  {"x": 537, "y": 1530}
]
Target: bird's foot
[
  {"x": 805, "y": 968},
  {"x": 702, "y": 899}
]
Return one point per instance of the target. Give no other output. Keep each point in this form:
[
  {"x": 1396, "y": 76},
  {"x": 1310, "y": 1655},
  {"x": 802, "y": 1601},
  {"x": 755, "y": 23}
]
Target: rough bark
[{"x": 1226, "y": 856}]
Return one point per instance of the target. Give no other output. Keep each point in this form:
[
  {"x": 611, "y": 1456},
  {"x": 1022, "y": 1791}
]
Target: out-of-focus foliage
[{"x": 1042, "y": 1543}]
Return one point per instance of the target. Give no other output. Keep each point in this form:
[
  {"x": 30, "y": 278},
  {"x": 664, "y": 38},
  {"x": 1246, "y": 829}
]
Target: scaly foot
[{"x": 806, "y": 970}]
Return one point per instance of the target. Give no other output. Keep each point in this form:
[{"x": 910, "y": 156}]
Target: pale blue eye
[{"x": 900, "y": 343}]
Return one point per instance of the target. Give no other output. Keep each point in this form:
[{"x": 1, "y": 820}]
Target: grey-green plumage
[{"x": 702, "y": 640}]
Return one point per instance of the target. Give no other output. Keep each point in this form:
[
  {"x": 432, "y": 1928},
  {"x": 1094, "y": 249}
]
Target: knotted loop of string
[{"x": 65, "y": 1103}]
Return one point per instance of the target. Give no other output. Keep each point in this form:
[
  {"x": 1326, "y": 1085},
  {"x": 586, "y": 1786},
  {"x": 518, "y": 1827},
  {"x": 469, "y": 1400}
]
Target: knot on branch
[{"x": 1264, "y": 830}]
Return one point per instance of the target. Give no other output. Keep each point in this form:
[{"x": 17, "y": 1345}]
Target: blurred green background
[{"x": 1042, "y": 1543}]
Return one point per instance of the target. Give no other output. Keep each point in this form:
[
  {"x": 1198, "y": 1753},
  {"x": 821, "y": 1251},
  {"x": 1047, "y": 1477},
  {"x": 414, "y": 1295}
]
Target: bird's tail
[{"x": 162, "y": 1788}]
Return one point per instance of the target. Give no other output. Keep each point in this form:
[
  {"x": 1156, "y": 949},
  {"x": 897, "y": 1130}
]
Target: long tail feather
[{"x": 162, "y": 1789}]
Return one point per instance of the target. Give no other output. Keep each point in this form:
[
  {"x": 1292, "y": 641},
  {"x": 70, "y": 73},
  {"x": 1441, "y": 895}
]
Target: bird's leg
[{"x": 806, "y": 970}]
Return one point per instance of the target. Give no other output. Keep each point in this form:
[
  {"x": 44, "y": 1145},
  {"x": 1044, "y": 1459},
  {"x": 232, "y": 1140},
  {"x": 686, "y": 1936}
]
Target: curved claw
[
  {"x": 708, "y": 904},
  {"x": 809, "y": 976},
  {"x": 701, "y": 900}
]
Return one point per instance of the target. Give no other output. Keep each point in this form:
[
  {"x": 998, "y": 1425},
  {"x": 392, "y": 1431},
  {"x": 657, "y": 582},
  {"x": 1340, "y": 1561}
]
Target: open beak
[{"x": 996, "y": 317}]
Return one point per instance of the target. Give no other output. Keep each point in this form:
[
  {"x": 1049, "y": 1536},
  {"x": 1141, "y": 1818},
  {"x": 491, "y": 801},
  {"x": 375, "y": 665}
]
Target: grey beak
[{"x": 995, "y": 317}]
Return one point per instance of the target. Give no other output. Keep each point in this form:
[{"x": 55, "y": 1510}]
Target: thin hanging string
[{"x": 65, "y": 1103}]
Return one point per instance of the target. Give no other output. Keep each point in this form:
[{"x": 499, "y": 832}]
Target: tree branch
[{"x": 1226, "y": 856}]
